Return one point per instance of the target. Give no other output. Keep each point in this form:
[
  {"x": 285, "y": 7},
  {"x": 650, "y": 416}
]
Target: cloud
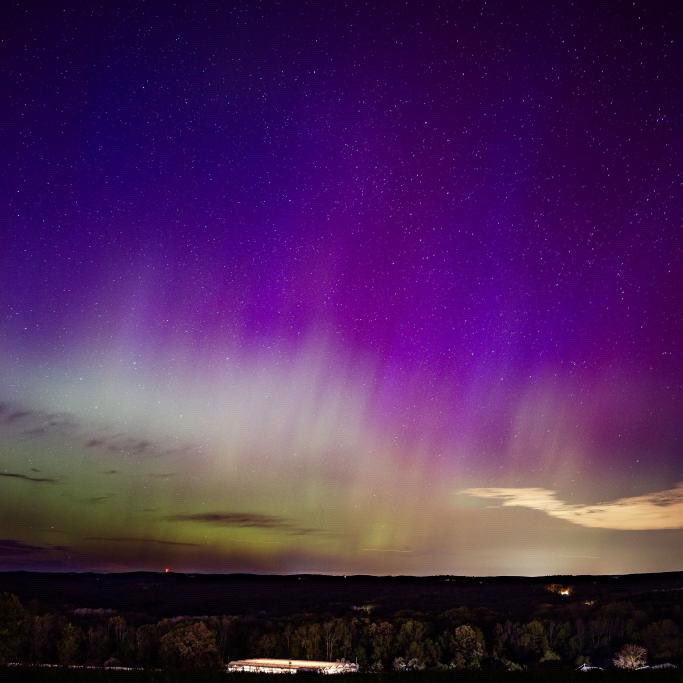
[
  {"x": 9, "y": 414},
  {"x": 36, "y": 422},
  {"x": 305, "y": 531},
  {"x": 95, "y": 500},
  {"x": 51, "y": 423},
  {"x": 647, "y": 512},
  {"x": 31, "y": 423},
  {"x": 26, "y": 477},
  {"x": 125, "y": 444},
  {"x": 246, "y": 519},
  {"x": 121, "y": 443},
  {"x": 131, "y": 539},
  {"x": 10, "y": 547}
]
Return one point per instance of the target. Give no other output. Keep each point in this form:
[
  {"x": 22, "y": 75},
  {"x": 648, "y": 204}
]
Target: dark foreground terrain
[
  {"x": 407, "y": 627},
  {"x": 169, "y": 595},
  {"x": 555, "y": 676}
]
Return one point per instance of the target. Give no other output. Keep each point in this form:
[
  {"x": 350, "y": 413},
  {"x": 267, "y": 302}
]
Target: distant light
[
  {"x": 167, "y": 570},
  {"x": 559, "y": 589}
]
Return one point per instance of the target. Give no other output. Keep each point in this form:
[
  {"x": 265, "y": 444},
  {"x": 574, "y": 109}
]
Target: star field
[{"x": 363, "y": 286}]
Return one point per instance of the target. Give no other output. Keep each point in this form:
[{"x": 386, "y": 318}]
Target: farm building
[{"x": 290, "y": 666}]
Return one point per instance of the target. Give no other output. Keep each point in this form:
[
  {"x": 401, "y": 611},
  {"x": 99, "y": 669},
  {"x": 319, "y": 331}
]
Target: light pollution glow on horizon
[{"x": 340, "y": 325}]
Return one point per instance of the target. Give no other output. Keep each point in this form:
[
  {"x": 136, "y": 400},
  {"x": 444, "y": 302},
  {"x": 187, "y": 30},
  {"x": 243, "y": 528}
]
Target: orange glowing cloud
[{"x": 650, "y": 511}]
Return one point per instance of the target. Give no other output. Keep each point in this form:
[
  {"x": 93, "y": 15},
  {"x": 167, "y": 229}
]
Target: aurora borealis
[{"x": 334, "y": 287}]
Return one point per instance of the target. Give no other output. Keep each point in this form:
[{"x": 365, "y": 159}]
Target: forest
[{"x": 561, "y": 628}]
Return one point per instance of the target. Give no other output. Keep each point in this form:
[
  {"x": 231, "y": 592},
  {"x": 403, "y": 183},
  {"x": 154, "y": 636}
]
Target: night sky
[{"x": 341, "y": 287}]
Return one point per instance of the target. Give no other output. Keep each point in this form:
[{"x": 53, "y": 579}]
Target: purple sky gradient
[{"x": 468, "y": 213}]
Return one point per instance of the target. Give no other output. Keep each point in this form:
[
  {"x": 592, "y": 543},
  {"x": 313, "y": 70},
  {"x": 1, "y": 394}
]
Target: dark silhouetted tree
[
  {"x": 189, "y": 646},
  {"x": 532, "y": 642},
  {"x": 469, "y": 647},
  {"x": 13, "y": 618},
  {"x": 381, "y": 636},
  {"x": 69, "y": 644},
  {"x": 663, "y": 639}
]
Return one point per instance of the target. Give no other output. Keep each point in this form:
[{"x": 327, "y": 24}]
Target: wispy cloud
[
  {"x": 28, "y": 423},
  {"x": 246, "y": 519},
  {"x": 123, "y": 444},
  {"x": 306, "y": 531},
  {"x": 10, "y": 414},
  {"x": 27, "y": 477},
  {"x": 133, "y": 539},
  {"x": 51, "y": 423},
  {"x": 11, "y": 547},
  {"x": 647, "y": 512},
  {"x": 96, "y": 500}
]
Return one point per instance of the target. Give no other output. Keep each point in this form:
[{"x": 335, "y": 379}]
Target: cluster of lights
[{"x": 559, "y": 589}]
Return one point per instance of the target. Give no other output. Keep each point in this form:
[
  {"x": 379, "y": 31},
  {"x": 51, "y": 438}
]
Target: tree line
[{"x": 460, "y": 638}]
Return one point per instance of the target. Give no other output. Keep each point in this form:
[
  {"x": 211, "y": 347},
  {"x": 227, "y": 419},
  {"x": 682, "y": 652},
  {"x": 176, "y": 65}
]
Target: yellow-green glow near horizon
[
  {"x": 341, "y": 287},
  {"x": 279, "y": 467}
]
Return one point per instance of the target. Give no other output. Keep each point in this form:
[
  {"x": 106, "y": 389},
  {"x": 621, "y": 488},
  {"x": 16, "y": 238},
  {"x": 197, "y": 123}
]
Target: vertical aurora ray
[{"x": 348, "y": 297}]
